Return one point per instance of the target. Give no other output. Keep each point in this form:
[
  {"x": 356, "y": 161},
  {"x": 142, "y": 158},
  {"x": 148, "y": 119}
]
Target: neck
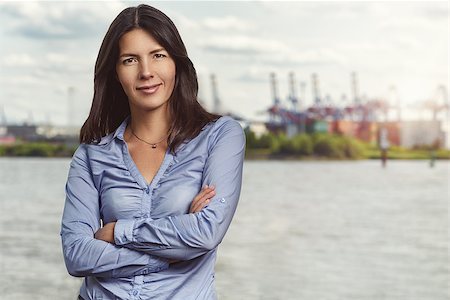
[{"x": 151, "y": 126}]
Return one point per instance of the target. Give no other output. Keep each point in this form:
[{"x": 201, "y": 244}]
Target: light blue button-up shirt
[{"x": 153, "y": 220}]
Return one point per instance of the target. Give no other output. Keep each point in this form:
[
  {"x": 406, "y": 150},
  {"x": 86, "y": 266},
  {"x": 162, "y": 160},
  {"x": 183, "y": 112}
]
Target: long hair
[{"x": 110, "y": 104}]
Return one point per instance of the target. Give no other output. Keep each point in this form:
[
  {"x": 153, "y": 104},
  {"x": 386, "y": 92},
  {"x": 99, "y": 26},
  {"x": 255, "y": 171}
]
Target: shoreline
[
  {"x": 49, "y": 150},
  {"x": 268, "y": 158}
]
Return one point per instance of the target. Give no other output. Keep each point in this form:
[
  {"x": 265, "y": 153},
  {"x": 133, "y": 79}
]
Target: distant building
[
  {"x": 52, "y": 131},
  {"x": 420, "y": 133},
  {"x": 67, "y": 135},
  {"x": 393, "y": 132},
  {"x": 7, "y": 140},
  {"x": 24, "y": 132},
  {"x": 259, "y": 128},
  {"x": 365, "y": 131},
  {"x": 406, "y": 134},
  {"x": 11, "y": 134}
]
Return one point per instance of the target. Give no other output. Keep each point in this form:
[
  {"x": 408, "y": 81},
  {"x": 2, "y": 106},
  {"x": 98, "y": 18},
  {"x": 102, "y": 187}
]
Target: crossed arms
[{"x": 146, "y": 245}]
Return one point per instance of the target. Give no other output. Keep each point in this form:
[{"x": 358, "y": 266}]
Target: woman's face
[{"x": 145, "y": 71}]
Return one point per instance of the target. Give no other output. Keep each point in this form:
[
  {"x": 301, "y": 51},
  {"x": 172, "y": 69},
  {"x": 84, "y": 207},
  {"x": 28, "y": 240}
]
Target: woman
[{"x": 162, "y": 175}]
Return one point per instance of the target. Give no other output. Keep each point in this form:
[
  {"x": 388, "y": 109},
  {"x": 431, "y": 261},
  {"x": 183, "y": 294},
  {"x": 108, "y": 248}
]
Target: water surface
[{"x": 303, "y": 230}]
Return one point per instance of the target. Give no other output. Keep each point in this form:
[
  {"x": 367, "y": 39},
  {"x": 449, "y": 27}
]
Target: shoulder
[
  {"x": 226, "y": 129},
  {"x": 79, "y": 161},
  {"x": 81, "y": 154},
  {"x": 224, "y": 124},
  {"x": 84, "y": 148},
  {"x": 85, "y": 151}
]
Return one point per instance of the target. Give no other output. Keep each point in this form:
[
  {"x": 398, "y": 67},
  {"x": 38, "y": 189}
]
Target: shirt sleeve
[
  {"x": 83, "y": 254},
  {"x": 185, "y": 237}
]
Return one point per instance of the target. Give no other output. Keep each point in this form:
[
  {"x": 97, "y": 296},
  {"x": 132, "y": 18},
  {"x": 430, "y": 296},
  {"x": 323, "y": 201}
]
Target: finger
[
  {"x": 203, "y": 204},
  {"x": 200, "y": 203},
  {"x": 202, "y": 191},
  {"x": 202, "y": 199},
  {"x": 206, "y": 190},
  {"x": 198, "y": 197},
  {"x": 201, "y": 195}
]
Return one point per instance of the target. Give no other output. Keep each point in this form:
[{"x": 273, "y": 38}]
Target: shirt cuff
[{"x": 123, "y": 232}]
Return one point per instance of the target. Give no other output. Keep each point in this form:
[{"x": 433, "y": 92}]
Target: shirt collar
[
  {"x": 118, "y": 133},
  {"x": 121, "y": 129}
]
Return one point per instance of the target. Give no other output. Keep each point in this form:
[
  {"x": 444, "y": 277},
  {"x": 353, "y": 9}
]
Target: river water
[{"x": 303, "y": 231}]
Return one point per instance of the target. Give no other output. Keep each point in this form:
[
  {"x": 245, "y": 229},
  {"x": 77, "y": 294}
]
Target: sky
[{"x": 49, "y": 48}]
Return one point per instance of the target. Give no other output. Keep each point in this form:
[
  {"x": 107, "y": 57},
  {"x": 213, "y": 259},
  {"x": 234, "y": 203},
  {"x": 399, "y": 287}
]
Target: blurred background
[{"x": 345, "y": 107}]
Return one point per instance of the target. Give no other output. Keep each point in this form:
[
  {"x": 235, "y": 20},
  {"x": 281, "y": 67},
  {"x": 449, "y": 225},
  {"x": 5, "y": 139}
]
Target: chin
[{"x": 152, "y": 106}]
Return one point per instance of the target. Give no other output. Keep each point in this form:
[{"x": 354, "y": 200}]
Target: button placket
[{"x": 137, "y": 286}]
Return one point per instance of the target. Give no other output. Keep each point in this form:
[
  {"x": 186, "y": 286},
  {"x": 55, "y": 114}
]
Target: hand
[
  {"x": 106, "y": 233},
  {"x": 202, "y": 199}
]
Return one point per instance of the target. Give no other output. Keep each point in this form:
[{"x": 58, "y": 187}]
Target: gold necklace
[{"x": 148, "y": 143}]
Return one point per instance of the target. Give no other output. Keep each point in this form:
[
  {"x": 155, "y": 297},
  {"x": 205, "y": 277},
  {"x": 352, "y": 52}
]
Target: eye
[
  {"x": 129, "y": 61},
  {"x": 159, "y": 56}
]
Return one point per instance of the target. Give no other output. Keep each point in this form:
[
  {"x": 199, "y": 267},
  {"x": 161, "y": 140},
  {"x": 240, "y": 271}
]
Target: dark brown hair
[{"x": 110, "y": 104}]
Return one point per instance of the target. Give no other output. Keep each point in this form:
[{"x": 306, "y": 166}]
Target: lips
[{"x": 148, "y": 89}]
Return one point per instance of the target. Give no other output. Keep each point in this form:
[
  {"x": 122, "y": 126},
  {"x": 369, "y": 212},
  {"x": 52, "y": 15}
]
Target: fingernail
[
  {"x": 213, "y": 187},
  {"x": 205, "y": 187}
]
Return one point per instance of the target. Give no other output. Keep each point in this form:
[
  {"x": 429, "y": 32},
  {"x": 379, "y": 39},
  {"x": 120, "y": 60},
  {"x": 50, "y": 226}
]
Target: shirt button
[
  {"x": 147, "y": 190},
  {"x": 222, "y": 200},
  {"x": 135, "y": 293}
]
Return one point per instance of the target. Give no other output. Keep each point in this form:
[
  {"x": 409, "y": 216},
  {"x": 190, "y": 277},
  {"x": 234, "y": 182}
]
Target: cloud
[
  {"x": 395, "y": 24},
  {"x": 243, "y": 45},
  {"x": 318, "y": 56},
  {"x": 181, "y": 21},
  {"x": 209, "y": 23},
  {"x": 436, "y": 11},
  {"x": 410, "y": 17},
  {"x": 17, "y": 81},
  {"x": 255, "y": 74},
  {"x": 48, "y": 46},
  {"x": 46, "y": 65},
  {"x": 291, "y": 10},
  {"x": 272, "y": 52},
  {"x": 227, "y": 23},
  {"x": 52, "y": 20},
  {"x": 18, "y": 60}
]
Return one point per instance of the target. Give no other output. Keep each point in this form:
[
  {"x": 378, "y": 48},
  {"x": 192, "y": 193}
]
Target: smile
[{"x": 149, "y": 89}]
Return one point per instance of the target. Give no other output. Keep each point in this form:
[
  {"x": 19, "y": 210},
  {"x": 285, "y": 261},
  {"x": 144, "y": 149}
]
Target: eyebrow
[{"x": 151, "y": 52}]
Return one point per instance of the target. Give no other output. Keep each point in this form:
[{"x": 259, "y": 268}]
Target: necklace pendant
[{"x": 153, "y": 146}]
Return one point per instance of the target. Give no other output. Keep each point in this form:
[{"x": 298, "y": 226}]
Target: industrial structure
[
  {"x": 358, "y": 117},
  {"x": 362, "y": 118}
]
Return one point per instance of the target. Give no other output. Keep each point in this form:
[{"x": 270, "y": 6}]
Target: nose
[{"x": 146, "y": 70}]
